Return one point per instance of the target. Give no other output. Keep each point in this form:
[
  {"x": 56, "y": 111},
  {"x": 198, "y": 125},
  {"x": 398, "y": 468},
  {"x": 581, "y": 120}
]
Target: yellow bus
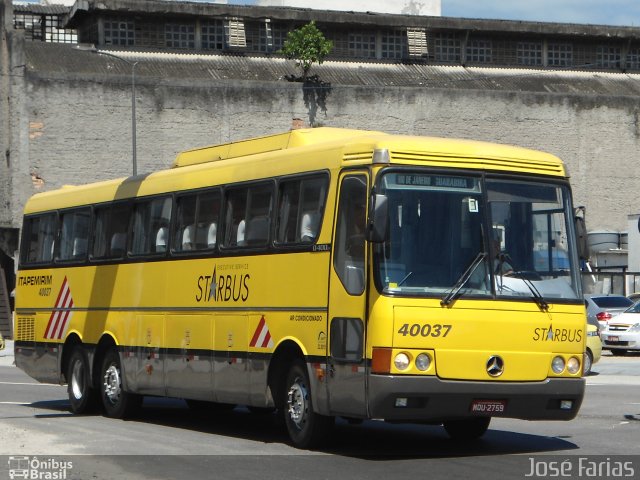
[{"x": 320, "y": 273}]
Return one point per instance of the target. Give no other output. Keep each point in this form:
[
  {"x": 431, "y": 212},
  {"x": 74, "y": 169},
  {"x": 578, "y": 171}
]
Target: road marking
[
  {"x": 31, "y": 384},
  {"x": 14, "y": 403}
]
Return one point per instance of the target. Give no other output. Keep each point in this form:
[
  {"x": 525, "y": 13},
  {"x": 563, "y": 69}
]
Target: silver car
[
  {"x": 602, "y": 308},
  {"x": 623, "y": 332}
]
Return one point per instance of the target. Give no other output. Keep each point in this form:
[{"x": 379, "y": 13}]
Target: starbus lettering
[
  {"x": 223, "y": 287},
  {"x": 557, "y": 335}
]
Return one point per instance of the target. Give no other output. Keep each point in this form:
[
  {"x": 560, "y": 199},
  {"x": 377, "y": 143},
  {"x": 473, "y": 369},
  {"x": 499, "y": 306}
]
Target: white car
[{"x": 623, "y": 332}]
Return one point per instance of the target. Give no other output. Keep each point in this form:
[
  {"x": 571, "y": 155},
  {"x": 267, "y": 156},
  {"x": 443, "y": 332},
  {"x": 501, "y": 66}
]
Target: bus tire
[
  {"x": 467, "y": 429},
  {"x": 116, "y": 401},
  {"x": 588, "y": 363},
  {"x": 306, "y": 428},
  {"x": 83, "y": 397}
]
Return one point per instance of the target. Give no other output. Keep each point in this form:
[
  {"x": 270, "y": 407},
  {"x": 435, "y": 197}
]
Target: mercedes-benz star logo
[{"x": 495, "y": 366}]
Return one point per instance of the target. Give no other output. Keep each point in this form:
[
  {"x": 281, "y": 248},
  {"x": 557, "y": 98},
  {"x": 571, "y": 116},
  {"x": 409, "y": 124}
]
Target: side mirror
[
  {"x": 378, "y": 219},
  {"x": 581, "y": 238}
]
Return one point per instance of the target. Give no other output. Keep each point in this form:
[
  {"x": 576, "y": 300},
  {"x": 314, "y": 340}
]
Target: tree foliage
[{"x": 306, "y": 45}]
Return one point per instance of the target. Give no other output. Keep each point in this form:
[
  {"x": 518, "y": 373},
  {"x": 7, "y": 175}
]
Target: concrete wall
[{"x": 81, "y": 132}]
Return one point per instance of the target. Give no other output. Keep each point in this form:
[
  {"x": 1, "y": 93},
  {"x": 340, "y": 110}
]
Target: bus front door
[{"x": 346, "y": 362}]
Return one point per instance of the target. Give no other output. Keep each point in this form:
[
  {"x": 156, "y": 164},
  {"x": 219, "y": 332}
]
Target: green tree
[{"x": 306, "y": 45}]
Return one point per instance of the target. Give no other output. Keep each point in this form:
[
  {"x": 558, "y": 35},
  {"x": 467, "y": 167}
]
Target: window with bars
[
  {"x": 213, "y": 35},
  {"x": 529, "y": 53},
  {"x": 448, "y": 47},
  {"x": 272, "y": 37},
  {"x": 362, "y": 44},
  {"x": 480, "y": 51},
  {"x": 180, "y": 35},
  {"x": 393, "y": 44},
  {"x": 633, "y": 59},
  {"x": 31, "y": 24},
  {"x": 119, "y": 32},
  {"x": 560, "y": 55},
  {"x": 53, "y": 32},
  {"x": 608, "y": 56},
  {"x": 44, "y": 28}
]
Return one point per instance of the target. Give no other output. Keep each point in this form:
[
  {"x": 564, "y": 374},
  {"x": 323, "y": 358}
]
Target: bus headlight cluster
[
  {"x": 572, "y": 365},
  {"x": 402, "y": 361},
  {"x": 423, "y": 362},
  {"x": 557, "y": 365}
]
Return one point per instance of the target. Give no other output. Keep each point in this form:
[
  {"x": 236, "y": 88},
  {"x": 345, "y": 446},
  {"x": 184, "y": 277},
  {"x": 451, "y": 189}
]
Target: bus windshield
[{"x": 485, "y": 237}]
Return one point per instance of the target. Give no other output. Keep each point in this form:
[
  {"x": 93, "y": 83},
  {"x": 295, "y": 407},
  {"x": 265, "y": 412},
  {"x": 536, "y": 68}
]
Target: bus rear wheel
[
  {"x": 116, "y": 401},
  {"x": 306, "y": 428},
  {"x": 82, "y": 397},
  {"x": 467, "y": 429}
]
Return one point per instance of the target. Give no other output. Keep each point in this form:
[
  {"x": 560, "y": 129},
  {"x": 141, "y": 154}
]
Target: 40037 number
[{"x": 424, "y": 330}]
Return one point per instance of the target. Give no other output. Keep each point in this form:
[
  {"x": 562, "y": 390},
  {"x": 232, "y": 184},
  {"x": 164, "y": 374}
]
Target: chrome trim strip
[{"x": 28, "y": 311}]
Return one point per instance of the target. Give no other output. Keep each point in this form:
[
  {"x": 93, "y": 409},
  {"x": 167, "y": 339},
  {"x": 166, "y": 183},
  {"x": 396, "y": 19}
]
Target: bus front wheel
[
  {"x": 306, "y": 428},
  {"x": 116, "y": 401},
  {"x": 82, "y": 397},
  {"x": 467, "y": 429}
]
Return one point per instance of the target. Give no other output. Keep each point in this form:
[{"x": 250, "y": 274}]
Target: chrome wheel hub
[
  {"x": 112, "y": 384},
  {"x": 298, "y": 403}
]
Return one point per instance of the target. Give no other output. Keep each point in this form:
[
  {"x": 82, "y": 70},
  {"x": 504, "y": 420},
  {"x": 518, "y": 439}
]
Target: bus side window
[
  {"x": 74, "y": 235},
  {"x": 248, "y": 216},
  {"x": 110, "y": 230},
  {"x": 348, "y": 260},
  {"x": 301, "y": 204},
  {"x": 149, "y": 217},
  {"x": 38, "y": 242}
]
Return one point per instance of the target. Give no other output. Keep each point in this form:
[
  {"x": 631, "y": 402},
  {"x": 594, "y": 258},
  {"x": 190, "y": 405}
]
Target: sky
[{"x": 601, "y": 12}]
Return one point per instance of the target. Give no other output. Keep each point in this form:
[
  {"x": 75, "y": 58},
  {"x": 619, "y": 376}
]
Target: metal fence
[{"x": 619, "y": 283}]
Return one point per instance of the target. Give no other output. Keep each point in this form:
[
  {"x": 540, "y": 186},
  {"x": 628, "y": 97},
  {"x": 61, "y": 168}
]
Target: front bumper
[
  {"x": 431, "y": 399},
  {"x": 622, "y": 340}
]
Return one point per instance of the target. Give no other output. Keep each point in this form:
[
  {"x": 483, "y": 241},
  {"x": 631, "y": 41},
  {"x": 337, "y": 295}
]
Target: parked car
[
  {"x": 594, "y": 349},
  {"x": 623, "y": 332},
  {"x": 602, "y": 308},
  {"x": 634, "y": 297}
]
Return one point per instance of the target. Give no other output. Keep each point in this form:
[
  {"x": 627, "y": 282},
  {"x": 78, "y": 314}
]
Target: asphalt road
[{"x": 167, "y": 440}]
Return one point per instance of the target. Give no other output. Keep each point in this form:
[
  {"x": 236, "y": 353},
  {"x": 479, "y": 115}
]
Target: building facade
[{"x": 209, "y": 73}]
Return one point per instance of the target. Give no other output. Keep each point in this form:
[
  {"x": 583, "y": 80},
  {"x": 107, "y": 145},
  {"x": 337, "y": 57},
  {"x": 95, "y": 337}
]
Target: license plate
[
  {"x": 613, "y": 339},
  {"x": 493, "y": 407}
]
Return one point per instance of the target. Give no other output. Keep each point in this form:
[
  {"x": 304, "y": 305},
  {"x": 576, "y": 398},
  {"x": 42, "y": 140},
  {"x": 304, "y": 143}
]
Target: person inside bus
[{"x": 500, "y": 264}]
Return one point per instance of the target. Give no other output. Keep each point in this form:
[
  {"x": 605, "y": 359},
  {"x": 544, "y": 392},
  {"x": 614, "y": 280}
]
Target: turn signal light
[{"x": 381, "y": 360}]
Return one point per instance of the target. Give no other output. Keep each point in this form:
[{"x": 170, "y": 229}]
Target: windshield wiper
[
  {"x": 464, "y": 278},
  {"x": 536, "y": 296}
]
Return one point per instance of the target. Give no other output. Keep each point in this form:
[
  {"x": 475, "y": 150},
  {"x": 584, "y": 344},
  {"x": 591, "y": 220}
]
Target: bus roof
[{"x": 280, "y": 154}]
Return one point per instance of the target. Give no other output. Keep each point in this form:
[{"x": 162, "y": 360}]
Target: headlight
[
  {"x": 557, "y": 365},
  {"x": 423, "y": 362},
  {"x": 401, "y": 361},
  {"x": 573, "y": 365},
  {"x": 635, "y": 328}
]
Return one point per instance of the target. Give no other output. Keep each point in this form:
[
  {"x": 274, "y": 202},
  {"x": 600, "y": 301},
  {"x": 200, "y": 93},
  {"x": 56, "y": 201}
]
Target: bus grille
[
  {"x": 498, "y": 163},
  {"x": 25, "y": 329}
]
